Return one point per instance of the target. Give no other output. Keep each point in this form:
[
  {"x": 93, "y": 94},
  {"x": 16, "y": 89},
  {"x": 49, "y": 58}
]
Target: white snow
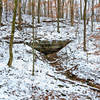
[{"x": 17, "y": 83}]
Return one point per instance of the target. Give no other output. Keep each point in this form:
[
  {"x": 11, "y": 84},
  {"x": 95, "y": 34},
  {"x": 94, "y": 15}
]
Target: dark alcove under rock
[{"x": 49, "y": 47}]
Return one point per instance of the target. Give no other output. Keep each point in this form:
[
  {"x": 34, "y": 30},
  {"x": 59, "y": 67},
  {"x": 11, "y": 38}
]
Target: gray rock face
[{"x": 48, "y": 47}]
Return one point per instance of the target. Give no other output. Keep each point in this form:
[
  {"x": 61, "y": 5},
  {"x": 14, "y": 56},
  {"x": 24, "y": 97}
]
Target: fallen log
[{"x": 96, "y": 88}]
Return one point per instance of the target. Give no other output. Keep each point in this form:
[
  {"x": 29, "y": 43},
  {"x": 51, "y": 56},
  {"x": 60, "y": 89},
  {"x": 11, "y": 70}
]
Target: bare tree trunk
[
  {"x": 51, "y": 9},
  {"x": 81, "y": 9},
  {"x": 33, "y": 35},
  {"x": 6, "y": 9},
  {"x": 58, "y": 15},
  {"x": 85, "y": 25},
  {"x": 12, "y": 36},
  {"x": 60, "y": 11},
  {"x": 48, "y": 7},
  {"x": 24, "y": 6},
  {"x": 92, "y": 16},
  {"x": 38, "y": 11},
  {"x": 19, "y": 18},
  {"x": 0, "y": 11},
  {"x": 45, "y": 8},
  {"x": 72, "y": 11},
  {"x": 29, "y": 7},
  {"x": 62, "y": 8},
  {"x": 67, "y": 12}
]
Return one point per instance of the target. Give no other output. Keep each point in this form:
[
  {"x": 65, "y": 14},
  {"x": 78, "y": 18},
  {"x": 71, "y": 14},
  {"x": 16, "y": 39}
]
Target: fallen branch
[
  {"x": 63, "y": 80},
  {"x": 73, "y": 68},
  {"x": 15, "y": 42},
  {"x": 90, "y": 84}
]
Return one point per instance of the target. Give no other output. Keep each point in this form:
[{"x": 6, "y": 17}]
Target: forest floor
[{"x": 70, "y": 74}]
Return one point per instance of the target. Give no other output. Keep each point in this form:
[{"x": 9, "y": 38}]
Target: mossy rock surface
[{"x": 49, "y": 47}]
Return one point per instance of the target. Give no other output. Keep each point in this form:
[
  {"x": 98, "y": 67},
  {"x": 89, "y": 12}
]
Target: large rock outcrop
[{"x": 49, "y": 47}]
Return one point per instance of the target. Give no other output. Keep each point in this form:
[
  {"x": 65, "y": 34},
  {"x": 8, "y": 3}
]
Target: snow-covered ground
[{"x": 17, "y": 82}]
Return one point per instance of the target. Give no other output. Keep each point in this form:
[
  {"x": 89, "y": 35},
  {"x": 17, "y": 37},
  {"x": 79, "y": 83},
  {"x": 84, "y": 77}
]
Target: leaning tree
[{"x": 12, "y": 36}]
